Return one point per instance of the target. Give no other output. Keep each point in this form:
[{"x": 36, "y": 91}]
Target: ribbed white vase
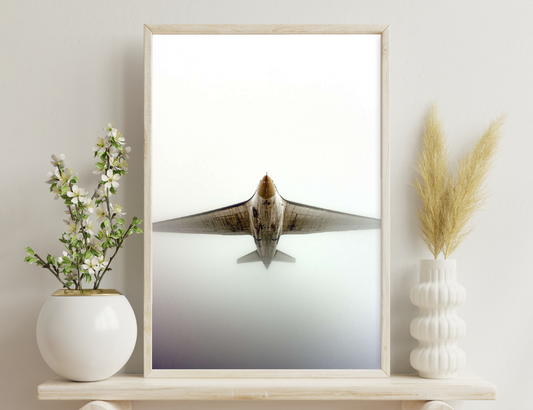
[{"x": 437, "y": 327}]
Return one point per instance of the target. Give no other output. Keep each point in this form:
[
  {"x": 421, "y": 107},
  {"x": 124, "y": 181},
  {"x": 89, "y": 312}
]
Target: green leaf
[
  {"x": 114, "y": 143},
  {"x": 30, "y": 251},
  {"x": 68, "y": 202},
  {"x": 53, "y": 260},
  {"x": 138, "y": 222},
  {"x": 130, "y": 231},
  {"x": 64, "y": 190},
  {"x": 69, "y": 283},
  {"x": 121, "y": 221},
  {"x": 100, "y": 165},
  {"x": 88, "y": 278},
  {"x": 49, "y": 258},
  {"x": 39, "y": 263},
  {"x": 106, "y": 223},
  {"x": 112, "y": 190},
  {"x": 138, "y": 230}
]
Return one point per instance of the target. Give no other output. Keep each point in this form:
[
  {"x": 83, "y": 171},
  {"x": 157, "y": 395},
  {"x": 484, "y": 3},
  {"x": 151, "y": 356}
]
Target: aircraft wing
[
  {"x": 231, "y": 220},
  {"x": 305, "y": 219}
]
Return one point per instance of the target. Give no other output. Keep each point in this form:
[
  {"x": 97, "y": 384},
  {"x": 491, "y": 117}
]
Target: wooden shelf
[{"x": 397, "y": 387}]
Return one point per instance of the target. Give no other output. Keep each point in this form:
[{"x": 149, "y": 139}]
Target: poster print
[{"x": 266, "y": 202}]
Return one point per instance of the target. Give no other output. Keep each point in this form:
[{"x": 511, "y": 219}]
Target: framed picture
[{"x": 266, "y": 201}]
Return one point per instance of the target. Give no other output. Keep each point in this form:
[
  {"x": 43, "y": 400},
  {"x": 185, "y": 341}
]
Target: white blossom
[
  {"x": 91, "y": 265},
  {"x": 111, "y": 179},
  {"x": 56, "y": 191},
  {"x": 53, "y": 176},
  {"x": 64, "y": 257},
  {"x": 72, "y": 227},
  {"x": 95, "y": 243},
  {"x": 101, "y": 214},
  {"x": 58, "y": 161},
  {"x": 101, "y": 145},
  {"x": 120, "y": 163},
  {"x": 117, "y": 209},
  {"x": 89, "y": 228},
  {"x": 101, "y": 260},
  {"x": 126, "y": 151},
  {"x": 77, "y": 194},
  {"x": 106, "y": 230},
  {"x": 111, "y": 132},
  {"x": 90, "y": 205},
  {"x": 100, "y": 194},
  {"x": 120, "y": 139},
  {"x": 66, "y": 176},
  {"x": 113, "y": 152}
]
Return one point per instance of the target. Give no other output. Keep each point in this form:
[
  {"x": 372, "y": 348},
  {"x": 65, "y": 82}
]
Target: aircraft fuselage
[
  {"x": 267, "y": 216},
  {"x": 266, "y": 219}
]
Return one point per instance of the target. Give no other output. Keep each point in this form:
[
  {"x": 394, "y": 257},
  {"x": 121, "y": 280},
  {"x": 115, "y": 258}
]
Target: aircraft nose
[{"x": 266, "y": 187}]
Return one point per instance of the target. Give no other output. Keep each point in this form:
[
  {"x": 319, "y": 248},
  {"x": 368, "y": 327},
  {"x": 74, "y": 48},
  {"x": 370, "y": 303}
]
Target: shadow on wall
[
  {"x": 133, "y": 126},
  {"x": 404, "y": 220}
]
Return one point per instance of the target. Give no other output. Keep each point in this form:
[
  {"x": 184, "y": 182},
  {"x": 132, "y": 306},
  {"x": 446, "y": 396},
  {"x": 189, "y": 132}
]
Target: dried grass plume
[{"x": 449, "y": 201}]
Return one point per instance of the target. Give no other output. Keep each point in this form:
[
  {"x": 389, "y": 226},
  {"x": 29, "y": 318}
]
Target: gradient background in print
[{"x": 227, "y": 109}]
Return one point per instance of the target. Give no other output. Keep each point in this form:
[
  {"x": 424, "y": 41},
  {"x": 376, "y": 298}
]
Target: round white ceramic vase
[
  {"x": 86, "y": 337},
  {"x": 437, "y": 327}
]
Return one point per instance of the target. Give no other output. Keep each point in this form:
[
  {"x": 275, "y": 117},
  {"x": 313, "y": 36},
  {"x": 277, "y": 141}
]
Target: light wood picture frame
[{"x": 151, "y": 32}]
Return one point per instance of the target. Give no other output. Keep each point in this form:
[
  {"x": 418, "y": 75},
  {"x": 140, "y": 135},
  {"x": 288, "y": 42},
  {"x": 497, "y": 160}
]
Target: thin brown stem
[
  {"x": 52, "y": 269},
  {"x": 113, "y": 256}
]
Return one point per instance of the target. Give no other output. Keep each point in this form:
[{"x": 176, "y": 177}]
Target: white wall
[{"x": 67, "y": 67}]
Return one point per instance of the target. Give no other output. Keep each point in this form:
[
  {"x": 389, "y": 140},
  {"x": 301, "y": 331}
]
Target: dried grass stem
[{"x": 449, "y": 201}]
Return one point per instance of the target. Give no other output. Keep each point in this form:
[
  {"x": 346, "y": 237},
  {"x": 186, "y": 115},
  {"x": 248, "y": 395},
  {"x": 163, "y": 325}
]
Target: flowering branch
[
  {"x": 47, "y": 265},
  {"x": 85, "y": 254}
]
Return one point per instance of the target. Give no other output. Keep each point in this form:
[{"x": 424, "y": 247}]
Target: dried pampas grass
[{"x": 449, "y": 201}]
